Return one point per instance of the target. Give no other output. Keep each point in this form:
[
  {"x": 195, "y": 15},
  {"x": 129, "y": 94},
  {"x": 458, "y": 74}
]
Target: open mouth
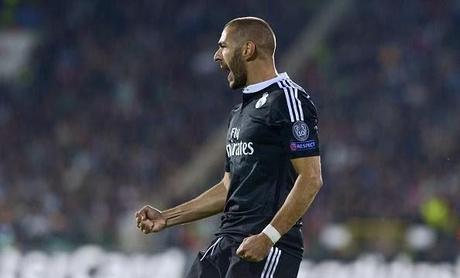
[{"x": 225, "y": 68}]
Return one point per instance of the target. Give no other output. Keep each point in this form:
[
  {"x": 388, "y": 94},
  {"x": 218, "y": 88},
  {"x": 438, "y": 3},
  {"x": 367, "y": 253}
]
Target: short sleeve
[{"x": 296, "y": 115}]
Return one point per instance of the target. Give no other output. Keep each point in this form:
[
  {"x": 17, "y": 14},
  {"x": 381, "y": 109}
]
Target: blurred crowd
[
  {"x": 387, "y": 83},
  {"x": 118, "y": 96}
]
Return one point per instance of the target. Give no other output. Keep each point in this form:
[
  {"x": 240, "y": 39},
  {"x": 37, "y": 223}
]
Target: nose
[{"x": 217, "y": 56}]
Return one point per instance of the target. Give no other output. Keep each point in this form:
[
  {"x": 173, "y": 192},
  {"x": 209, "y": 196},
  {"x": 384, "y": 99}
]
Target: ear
[{"x": 249, "y": 51}]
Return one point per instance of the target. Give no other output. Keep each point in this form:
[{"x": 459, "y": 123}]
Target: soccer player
[{"x": 272, "y": 169}]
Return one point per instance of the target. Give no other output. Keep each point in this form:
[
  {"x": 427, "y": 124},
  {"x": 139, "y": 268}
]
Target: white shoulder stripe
[
  {"x": 286, "y": 95},
  {"x": 292, "y": 99},
  {"x": 295, "y": 104},
  {"x": 299, "y": 104}
]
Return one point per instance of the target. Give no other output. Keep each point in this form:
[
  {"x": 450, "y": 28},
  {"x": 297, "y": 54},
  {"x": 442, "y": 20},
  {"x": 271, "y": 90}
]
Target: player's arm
[
  {"x": 303, "y": 135},
  {"x": 207, "y": 204},
  {"x": 305, "y": 188},
  {"x": 210, "y": 202}
]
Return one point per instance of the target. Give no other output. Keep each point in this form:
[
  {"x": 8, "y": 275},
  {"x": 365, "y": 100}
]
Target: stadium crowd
[
  {"x": 118, "y": 96},
  {"x": 388, "y": 88}
]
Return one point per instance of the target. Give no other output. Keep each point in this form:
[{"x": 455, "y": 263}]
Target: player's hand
[
  {"x": 255, "y": 248},
  {"x": 150, "y": 220}
]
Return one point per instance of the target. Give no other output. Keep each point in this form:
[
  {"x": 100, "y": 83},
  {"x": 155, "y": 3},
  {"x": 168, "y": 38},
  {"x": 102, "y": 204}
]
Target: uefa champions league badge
[
  {"x": 300, "y": 131},
  {"x": 262, "y": 100}
]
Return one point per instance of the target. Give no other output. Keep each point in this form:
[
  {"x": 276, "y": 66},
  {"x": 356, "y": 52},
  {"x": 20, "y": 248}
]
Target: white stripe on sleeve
[
  {"x": 294, "y": 104},
  {"x": 286, "y": 95},
  {"x": 296, "y": 93}
]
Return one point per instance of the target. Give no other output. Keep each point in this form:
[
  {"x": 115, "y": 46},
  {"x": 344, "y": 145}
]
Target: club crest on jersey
[
  {"x": 300, "y": 131},
  {"x": 262, "y": 100}
]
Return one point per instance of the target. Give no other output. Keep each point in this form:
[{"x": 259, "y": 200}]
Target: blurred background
[{"x": 107, "y": 105}]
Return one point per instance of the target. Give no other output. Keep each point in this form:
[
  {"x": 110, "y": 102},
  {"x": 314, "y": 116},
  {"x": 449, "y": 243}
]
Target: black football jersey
[{"x": 275, "y": 122}]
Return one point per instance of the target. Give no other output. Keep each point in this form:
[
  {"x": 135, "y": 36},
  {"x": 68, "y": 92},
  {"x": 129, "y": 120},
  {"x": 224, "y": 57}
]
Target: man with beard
[{"x": 272, "y": 169}]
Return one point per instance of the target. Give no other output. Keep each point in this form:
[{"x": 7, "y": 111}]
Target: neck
[{"x": 260, "y": 71}]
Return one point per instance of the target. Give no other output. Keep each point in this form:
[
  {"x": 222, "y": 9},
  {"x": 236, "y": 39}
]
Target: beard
[{"x": 238, "y": 70}]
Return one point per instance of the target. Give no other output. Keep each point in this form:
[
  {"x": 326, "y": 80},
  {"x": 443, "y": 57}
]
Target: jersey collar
[{"x": 264, "y": 84}]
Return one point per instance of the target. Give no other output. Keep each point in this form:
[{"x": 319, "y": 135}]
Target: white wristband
[{"x": 272, "y": 233}]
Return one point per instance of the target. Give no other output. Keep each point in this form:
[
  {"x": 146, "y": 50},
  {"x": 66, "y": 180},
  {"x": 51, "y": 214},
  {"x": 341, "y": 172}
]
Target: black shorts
[{"x": 220, "y": 261}]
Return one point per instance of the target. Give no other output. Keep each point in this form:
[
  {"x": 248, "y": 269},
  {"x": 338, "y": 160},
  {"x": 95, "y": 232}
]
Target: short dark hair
[{"x": 256, "y": 30}]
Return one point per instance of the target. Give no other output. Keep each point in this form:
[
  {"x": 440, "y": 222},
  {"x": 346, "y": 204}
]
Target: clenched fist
[
  {"x": 255, "y": 248},
  {"x": 150, "y": 220}
]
